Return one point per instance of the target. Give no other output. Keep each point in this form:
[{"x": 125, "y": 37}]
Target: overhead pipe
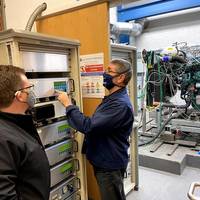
[
  {"x": 133, "y": 28},
  {"x": 37, "y": 12},
  {"x": 129, "y": 28}
]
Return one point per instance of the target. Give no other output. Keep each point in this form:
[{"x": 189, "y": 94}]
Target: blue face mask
[{"x": 107, "y": 81}]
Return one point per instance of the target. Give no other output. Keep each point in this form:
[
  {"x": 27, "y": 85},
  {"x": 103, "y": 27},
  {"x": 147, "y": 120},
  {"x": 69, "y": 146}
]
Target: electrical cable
[
  {"x": 161, "y": 129},
  {"x": 171, "y": 73}
]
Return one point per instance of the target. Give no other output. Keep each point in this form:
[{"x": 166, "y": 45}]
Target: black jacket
[
  {"x": 107, "y": 131},
  {"x": 24, "y": 168}
]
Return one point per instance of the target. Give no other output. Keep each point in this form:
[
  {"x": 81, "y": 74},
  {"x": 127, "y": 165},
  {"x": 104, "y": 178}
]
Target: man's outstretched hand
[{"x": 63, "y": 97}]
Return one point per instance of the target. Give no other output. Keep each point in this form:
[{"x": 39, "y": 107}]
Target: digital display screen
[
  {"x": 65, "y": 147},
  {"x": 66, "y": 167},
  {"x": 63, "y": 128},
  {"x": 61, "y": 85}
]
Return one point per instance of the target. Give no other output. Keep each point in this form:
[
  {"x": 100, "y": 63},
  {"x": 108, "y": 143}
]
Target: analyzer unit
[
  {"x": 128, "y": 53},
  {"x": 52, "y": 63}
]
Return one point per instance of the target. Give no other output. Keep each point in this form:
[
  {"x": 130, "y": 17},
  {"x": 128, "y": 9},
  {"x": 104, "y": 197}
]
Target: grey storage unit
[
  {"x": 128, "y": 53},
  {"x": 60, "y": 151},
  {"x": 62, "y": 171},
  {"x": 55, "y": 132},
  {"x": 66, "y": 190},
  {"x": 52, "y": 63}
]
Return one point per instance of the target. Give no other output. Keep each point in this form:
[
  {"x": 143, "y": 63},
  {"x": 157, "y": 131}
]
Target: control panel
[{"x": 52, "y": 64}]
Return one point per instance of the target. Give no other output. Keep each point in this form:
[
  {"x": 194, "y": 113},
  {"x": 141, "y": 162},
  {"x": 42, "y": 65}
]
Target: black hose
[
  {"x": 168, "y": 105},
  {"x": 161, "y": 129},
  {"x": 179, "y": 59}
]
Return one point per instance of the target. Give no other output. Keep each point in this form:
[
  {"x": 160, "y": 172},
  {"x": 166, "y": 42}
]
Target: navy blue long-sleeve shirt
[{"x": 107, "y": 131}]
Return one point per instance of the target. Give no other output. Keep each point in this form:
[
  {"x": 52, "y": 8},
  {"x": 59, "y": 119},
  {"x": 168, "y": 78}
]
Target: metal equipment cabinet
[
  {"x": 128, "y": 53},
  {"x": 52, "y": 63}
]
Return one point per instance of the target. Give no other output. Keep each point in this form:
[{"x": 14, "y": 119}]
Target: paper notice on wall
[
  {"x": 91, "y": 75},
  {"x": 92, "y": 87}
]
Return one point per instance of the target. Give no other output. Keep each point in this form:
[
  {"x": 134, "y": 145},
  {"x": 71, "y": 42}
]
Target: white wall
[
  {"x": 163, "y": 31},
  {"x": 19, "y": 11},
  {"x": 113, "y": 14}
]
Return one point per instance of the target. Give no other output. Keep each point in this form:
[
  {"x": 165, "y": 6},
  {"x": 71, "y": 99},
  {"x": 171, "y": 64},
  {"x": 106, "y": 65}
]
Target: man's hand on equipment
[{"x": 64, "y": 98}]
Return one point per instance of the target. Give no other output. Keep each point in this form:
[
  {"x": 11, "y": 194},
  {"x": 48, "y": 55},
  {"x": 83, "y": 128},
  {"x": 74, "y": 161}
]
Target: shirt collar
[
  {"x": 116, "y": 94},
  {"x": 23, "y": 121}
]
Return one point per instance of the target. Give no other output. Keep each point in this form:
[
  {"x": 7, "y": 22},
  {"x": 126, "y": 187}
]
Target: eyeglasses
[
  {"x": 31, "y": 87},
  {"x": 110, "y": 71}
]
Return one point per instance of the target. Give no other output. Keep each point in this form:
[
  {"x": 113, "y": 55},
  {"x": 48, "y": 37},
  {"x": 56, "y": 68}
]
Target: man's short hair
[
  {"x": 123, "y": 67},
  {"x": 10, "y": 82}
]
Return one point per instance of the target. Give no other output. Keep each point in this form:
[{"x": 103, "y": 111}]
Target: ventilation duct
[
  {"x": 128, "y": 28},
  {"x": 37, "y": 12}
]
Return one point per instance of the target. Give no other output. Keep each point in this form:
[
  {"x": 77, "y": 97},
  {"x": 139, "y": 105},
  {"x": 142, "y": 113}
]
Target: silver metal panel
[
  {"x": 58, "y": 107},
  {"x": 4, "y": 55},
  {"x": 122, "y": 51},
  {"x": 190, "y": 129},
  {"x": 59, "y": 152},
  {"x": 43, "y": 48},
  {"x": 64, "y": 190},
  {"x": 46, "y": 87},
  {"x": 128, "y": 185},
  {"x": 62, "y": 171},
  {"x": 183, "y": 122},
  {"x": 122, "y": 55},
  {"x": 128, "y": 169},
  {"x": 122, "y": 47},
  {"x": 44, "y": 62},
  {"x": 125, "y": 56},
  {"x": 38, "y": 38},
  {"x": 54, "y": 132},
  {"x": 74, "y": 197}
]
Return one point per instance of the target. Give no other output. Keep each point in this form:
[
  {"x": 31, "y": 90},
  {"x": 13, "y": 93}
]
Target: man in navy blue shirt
[{"x": 107, "y": 131}]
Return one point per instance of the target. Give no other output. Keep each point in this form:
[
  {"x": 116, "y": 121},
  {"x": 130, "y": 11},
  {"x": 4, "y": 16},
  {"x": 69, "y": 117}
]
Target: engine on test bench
[
  {"x": 190, "y": 85},
  {"x": 170, "y": 70}
]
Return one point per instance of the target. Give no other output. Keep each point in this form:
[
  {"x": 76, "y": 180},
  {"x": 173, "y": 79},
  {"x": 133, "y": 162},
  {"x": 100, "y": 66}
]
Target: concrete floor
[
  {"x": 159, "y": 185},
  {"x": 159, "y": 160}
]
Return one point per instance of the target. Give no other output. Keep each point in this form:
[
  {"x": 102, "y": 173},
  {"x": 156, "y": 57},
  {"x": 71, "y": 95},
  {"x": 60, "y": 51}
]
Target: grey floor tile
[{"x": 159, "y": 185}]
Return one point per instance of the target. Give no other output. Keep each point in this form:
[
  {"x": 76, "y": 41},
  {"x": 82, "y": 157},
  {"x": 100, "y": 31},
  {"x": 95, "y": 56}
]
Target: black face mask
[{"x": 107, "y": 81}]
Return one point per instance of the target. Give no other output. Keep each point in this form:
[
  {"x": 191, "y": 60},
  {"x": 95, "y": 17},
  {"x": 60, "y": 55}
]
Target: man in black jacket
[
  {"x": 107, "y": 131},
  {"x": 24, "y": 168}
]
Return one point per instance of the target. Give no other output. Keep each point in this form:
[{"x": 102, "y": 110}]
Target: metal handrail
[{"x": 191, "y": 195}]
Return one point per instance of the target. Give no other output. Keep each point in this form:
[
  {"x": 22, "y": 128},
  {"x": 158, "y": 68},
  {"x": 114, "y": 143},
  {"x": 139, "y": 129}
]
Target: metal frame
[
  {"x": 2, "y": 14},
  {"x": 155, "y": 8},
  {"x": 12, "y": 55},
  {"x": 120, "y": 49}
]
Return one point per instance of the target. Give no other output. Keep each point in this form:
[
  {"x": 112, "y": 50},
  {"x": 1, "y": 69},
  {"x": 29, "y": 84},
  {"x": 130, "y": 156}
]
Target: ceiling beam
[{"x": 155, "y": 8}]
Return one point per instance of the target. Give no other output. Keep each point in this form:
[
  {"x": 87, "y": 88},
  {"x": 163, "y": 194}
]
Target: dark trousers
[{"x": 110, "y": 183}]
